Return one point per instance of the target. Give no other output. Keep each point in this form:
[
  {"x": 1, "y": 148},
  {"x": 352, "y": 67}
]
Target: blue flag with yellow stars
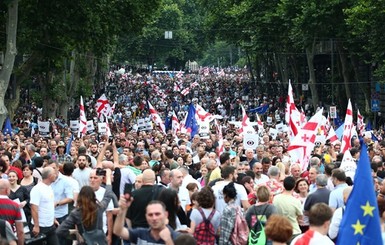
[{"x": 361, "y": 222}]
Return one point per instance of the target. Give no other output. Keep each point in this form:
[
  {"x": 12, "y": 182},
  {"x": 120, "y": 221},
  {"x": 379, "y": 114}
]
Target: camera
[
  {"x": 110, "y": 139},
  {"x": 101, "y": 172}
]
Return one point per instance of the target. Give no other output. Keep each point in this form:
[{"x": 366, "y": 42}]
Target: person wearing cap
[
  {"x": 62, "y": 157},
  {"x": 321, "y": 195}
]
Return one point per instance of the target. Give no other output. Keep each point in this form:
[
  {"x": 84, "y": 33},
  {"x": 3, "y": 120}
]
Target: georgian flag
[
  {"x": 175, "y": 125},
  {"x": 360, "y": 122},
  {"x": 347, "y": 134},
  {"x": 332, "y": 136},
  {"x": 202, "y": 115},
  {"x": 194, "y": 84},
  {"x": 102, "y": 106},
  {"x": 302, "y": 145},
  {"x": 156, "y": 118},
  {"x": 83, "y": 119},
  {"x": 176, "y": 87},
  {"x": 185, "y": 91},
  {"x": 245, "y": 122}
]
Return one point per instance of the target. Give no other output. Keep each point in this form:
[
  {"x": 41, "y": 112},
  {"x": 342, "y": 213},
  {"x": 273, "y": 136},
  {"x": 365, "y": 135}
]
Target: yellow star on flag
[
  {"x": 368, "y": 210},
  {"x": 358, "y": 228}
]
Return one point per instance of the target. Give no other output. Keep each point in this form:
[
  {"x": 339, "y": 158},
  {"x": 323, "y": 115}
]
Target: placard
[
  {"x": 204, "y": 130},
  {"x": 333, "y": 112},
  {"x": 250, "y": 139},
  {"x": 43, "y": 128},
  {"x": 90, "y": 127}
]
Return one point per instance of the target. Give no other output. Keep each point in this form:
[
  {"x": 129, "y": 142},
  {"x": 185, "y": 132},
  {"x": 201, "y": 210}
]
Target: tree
[{"x": 10, "y": 54}]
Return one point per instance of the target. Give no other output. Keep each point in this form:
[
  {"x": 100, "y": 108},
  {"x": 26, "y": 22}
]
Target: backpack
[
  {"x": 95, "y": 236},
  {"x": 257, "y": 234},
  {"x": 204, "y": 233},
  {"x": 241, "y": 229}
]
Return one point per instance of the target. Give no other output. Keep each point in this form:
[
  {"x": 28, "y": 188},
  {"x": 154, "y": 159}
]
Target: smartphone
[{"x": 127, "y": 190}]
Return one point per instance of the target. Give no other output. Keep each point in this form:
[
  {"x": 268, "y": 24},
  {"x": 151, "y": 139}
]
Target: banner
[
  {"x": 90, "y": 127},
  {"x": 204, "y": 130},
  {"x": 102, "y": 128},
  {"x": 144, "y": 124},
  {"x": 43, "y": 129},
  {"x": 74, "y": 126},
  {"x": 250, "y": 139}
]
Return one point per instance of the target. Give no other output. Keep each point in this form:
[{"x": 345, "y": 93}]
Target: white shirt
[
  {"x": 127, "y": 177},
  {"x": 99, "y": 196},
  {"x": 189, "y": 179},
  {"x": 42, "y": 196},
  {"x": 264, "y": 178},
  {"x": 220, "y": 203},
  {"x": 317, "y": 239},
  {"x": 335, "y": 223},
  {"x": 82, "y": 176}
]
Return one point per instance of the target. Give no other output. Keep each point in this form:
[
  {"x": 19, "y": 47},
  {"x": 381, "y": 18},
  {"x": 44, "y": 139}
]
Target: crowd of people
[{"x": 146, "y": 187}]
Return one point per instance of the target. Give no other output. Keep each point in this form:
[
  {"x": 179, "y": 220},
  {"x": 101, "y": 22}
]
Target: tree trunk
[
  {"x": 9, "y": 58},
  {"x": 13, "y": 104},
  {"x": 344, "y": 66},
  {"x": 312, "y": 79},
  {"x": 363, "y": 87}
]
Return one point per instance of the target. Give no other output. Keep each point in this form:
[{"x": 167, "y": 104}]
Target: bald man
[
  {"x": 176, "y": 181},
  {"x": 148, "y": 192},
  {"x": 10, "y": 211}
]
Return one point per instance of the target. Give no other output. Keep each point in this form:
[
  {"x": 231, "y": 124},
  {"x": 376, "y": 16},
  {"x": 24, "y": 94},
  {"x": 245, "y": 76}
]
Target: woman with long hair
[
  {"x": 88, "y": 214},
  {"x": 177, "y": 218}
]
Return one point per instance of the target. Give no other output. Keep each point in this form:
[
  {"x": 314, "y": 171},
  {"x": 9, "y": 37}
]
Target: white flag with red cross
[
  {"x": 156, "y": 118},
  {"x": 83, "y": 119},
  {"x": 347, "y": 134},
  {"x": 303, "y": 143},
  {"x": 175, "y": 125},
  {"x": 360, "y": 123},
  {"x": 102, "y": 106}
]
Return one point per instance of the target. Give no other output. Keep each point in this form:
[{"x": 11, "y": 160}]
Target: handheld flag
[
  {"x": 362, "y": 224},
  {"x": 191, "y": 122},
  {"x": 156, "y": 118},
  {"x": 7, "y": 127},
  {"x": 83, "y": 119},
  {"x": 69, "y": 144},
  {"x": 347, "y": 135}
]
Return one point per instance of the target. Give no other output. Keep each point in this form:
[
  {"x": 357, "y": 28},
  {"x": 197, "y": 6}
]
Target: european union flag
[
  {"x": 262, "y": 109},
  {"x": 191, "y": 121},
  {"x": 337, "y": 121},
  {"x": 68, "y": 146},
  {"x": 368, "y": 126},
  {"x": 7, "y": 127},
  {"x": 361, "y": 222}
]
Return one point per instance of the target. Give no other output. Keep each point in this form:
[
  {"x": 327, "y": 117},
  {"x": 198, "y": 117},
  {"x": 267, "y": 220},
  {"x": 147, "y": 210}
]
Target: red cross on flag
[
  {"x": 175, "y": 125},
  {"x": 83, "y": 119},
  {"x": 185, "y": 91},
  {"x": 292, "y": 114},
  {"x": 202, "y": 115},
  {"x": 303, "y": 143},
  {"x": 360, "y": 123},
  {"x": 102, "y": 106},
  {"x": 332, "y": 136},
  {"x": 347, "y": 134},
  {"x": 156, "y": 118}
]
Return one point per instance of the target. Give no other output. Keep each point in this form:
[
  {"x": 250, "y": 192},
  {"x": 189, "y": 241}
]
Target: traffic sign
[{"x": 375, "y": 105}]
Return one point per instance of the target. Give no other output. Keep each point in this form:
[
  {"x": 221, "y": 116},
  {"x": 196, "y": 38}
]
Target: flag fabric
[
  {"x": 156, "y": 118},
  {"x": 347, "y": 135},
  {"x": 191, "y": 123},
  {"x": 185, "y": 91},
  {"x": 202, "y": 115},
  {"x": 369, "y": 126},
  {"x": 260, "y": 125},
  {"x": 360, "y": 122},
  {"x": 7, "y": 127},
  {"x": 83, "y": 119},
  {"x": 332, "y": 136},
  {"x": 175, "y": 125},
  {"x": 218, "y": 128},
  {"x": 340, "y": 131},
  {"x": 302, "y": 145},
  {"x": 218, "y": 100},
  {"x": 102, "y": 106},
  {"x": 292, "y": 114},
  {"x": 337, "y": 121},
  {"x": 262, "y": 109},
  {"x": 362, "y": 224},
  {"x": 194, "y": 84},
  {"x": 69, "y": 144}
]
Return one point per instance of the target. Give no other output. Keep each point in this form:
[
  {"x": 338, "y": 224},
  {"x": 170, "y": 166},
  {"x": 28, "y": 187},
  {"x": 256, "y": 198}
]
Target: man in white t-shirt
[
  {"x": 43, "y": 207},
  {"x": 82, "y": 172},
  {"x": 320, "y": 215},
  {"x": 95, "y": 183},
  {"x": 176, "y": 179},
  {"x": 229, "y": 173}
]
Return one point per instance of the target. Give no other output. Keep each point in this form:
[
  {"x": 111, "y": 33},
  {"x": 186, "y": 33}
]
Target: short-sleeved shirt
[
  {"x": 336, "y": 198},
  {"x": 220, "y": 203},
  {"x": 320, "y": 195},
  {"x": 290, "y": 207},
  {"x": 43, "y": 197},
  {"x": 260, "y": 212},
  {"x": 62, "y": 189},
  {"x": 82, "y": 176},
  {"x": 197, "y": 218},
  {"x": 142, "y": 236}
]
